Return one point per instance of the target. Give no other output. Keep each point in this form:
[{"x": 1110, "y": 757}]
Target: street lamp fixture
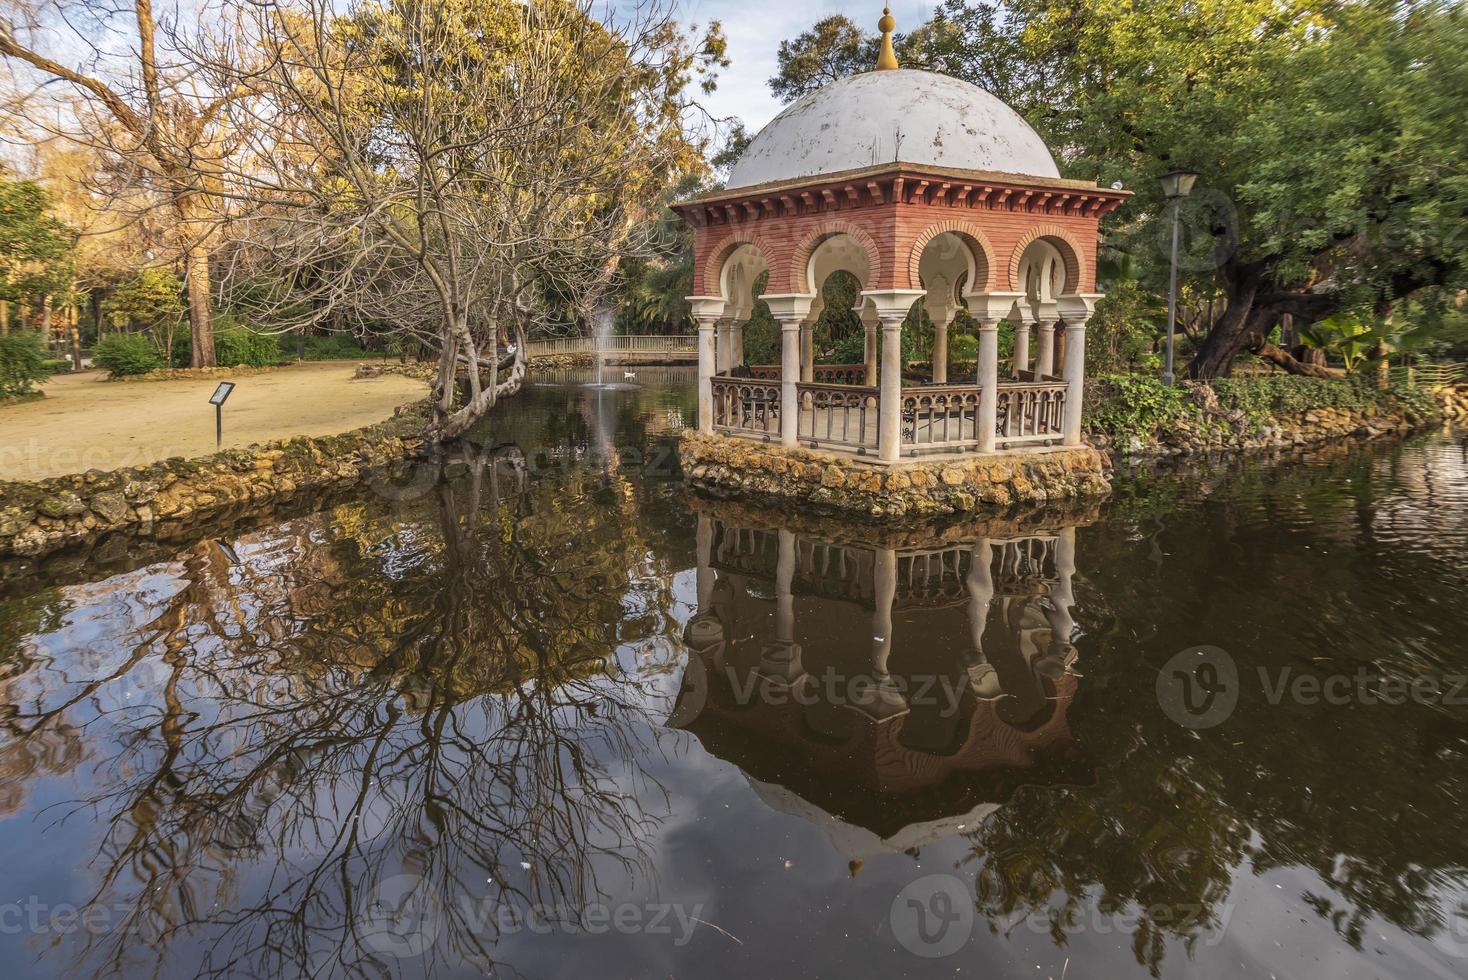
[{"x": 1176, "y": 185}]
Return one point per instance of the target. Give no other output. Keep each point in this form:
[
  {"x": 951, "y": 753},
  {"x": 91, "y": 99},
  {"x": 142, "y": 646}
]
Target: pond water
[{"x": 552, "y": 717}]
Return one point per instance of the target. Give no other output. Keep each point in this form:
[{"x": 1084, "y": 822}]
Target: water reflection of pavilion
[{"x": 888, "y": 689}]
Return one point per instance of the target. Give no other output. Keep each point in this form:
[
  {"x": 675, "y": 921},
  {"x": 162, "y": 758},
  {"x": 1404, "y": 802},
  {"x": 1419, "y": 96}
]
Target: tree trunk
[
  {"x": 194, "y": 229},
  {"x": 4, "y": 318},
  {"x": 447, "y": 426},
  {"x": 1292, "y": 364},
  {"x": 76, "y": 337},
  {"x": 46, "y": 321},
  {"x": 1229, "y": 335}
]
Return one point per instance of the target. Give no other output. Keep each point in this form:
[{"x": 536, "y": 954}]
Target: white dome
[{"x": 877, "y": 117}]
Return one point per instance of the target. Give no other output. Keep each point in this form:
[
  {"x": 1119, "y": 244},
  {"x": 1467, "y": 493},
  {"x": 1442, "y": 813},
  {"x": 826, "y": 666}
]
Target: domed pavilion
[{"x": 927, "y": 190}]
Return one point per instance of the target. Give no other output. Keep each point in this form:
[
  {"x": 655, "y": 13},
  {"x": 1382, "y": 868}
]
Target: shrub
[
  {"x": 23, "y": 362},
  {"x": 127, "y": 354},
  {"x": 335, "y": 347},
  {"x": 233, "y": 345},
  {"x": 1124, "y": 406},
  {"x": 241, "y": 346}
]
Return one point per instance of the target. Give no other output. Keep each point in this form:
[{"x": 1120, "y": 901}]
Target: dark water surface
[{"x": 552, "y": 718}]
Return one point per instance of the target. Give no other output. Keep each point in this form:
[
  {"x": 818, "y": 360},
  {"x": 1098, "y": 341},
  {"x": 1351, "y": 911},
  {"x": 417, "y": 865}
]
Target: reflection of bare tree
[{"x": 285, "y": 733}]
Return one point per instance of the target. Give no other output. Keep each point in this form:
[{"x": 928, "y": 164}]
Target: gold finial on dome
[{"x": 887, "y": 58}]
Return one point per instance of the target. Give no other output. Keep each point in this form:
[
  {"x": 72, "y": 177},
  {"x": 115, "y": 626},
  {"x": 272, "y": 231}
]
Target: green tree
[
  {"x": 35, "y": 247},
  {"x": 1329, "y": 140},
  {"x": 152, "y": 300},
  {"x": 832, "y": 49}
]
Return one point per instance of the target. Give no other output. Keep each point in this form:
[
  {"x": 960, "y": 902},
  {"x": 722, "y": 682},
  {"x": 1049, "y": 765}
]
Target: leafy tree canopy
[{"x": 35, "y": 248}]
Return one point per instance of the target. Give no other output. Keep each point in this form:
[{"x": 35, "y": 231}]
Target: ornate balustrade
[
  {"x": 845, "y": 417},
  {"x": 1030, "y": 412},
  {"x": 940, "y": 418},
  {"x": 746, "y": 406},
  {"x": 838, "y": 415},
  {"x": 831, "y": 374}
]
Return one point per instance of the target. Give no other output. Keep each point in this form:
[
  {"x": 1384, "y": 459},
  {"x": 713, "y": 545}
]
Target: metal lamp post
[{"x": 1176, "y": 185}]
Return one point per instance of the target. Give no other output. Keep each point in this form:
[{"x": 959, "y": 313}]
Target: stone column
[
  {"x": 784, "y": 587},
  {"x": 891, "y": 307},
  {"x": 880, "y": 699},
  {"x": 807, "y": 352},
  {"x": 780, "y": 660},
  {"x": 980, "y": 586},
  {"x": 708, "y": 311},
  {"x": 1045, "y": 359},
  {"x": 988, "y": 379},
  {"x": 724, "y": 346},
  {"x": 703, "y": 537},
  {"x": 889, "y": 411},
  {"x": 940, "y": 352},
  {"x": 1075, "y": 378},
  {"x": 789, "y": 379},
  {"x": 789, "y": 310},
  {"x": 738, "y": 347},
  {"x": 869, "y": 324},
  {"x": 705, "y": 374},
  {"x": 1062, "y": 595},
  {"x": 1021, "y": 346}
]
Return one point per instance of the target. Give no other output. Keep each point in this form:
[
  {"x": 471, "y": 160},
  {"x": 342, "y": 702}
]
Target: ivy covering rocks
[{"x": 1136, "y": 416}]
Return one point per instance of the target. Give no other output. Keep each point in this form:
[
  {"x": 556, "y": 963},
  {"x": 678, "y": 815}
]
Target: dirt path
[{"x": 84, "y": 422}]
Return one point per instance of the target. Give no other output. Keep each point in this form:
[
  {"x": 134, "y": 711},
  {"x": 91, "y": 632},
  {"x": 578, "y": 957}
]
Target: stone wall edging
[{"x": 38, "y": 518}]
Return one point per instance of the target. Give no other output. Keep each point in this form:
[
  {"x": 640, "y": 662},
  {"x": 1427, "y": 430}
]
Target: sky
[{"x": 755, "y": 29}]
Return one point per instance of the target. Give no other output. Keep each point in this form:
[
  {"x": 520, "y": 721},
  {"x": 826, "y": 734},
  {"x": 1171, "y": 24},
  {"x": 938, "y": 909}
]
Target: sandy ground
[{"x": 84, "y": 422}]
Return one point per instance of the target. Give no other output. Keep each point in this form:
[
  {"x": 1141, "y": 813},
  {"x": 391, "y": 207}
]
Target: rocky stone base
[
  {"x": 1187, "y": 437},
  {"x": 418, "y": 370},
  {"x": 1019, "y": 521},
  {"x": 1452, "y": 403},
  {"x": 561, "y": 362},
  {"x": 221, "y": 373},
  {"x": 825, "y": 482},
  {"x": 50, "y": 515}
]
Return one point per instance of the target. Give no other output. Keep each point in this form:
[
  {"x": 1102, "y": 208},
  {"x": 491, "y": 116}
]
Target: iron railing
[
  {"x": 1030, "y": 412},
  {"x": 830, "y": 374},
  {"x": 618, "y": 344},
  {"x": 838, "y": 415},
  {"x": 745, "y": 406},
  {"x": 940, "y": 418}
]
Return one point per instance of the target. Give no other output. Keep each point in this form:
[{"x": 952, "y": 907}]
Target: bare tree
[
  {"x": 151, "y": 117},
  {"x": 457, "y": 174}
]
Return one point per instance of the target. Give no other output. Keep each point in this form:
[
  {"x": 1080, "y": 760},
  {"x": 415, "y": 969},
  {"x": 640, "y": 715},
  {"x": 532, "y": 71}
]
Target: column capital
[
  {"x": 1077, "y": 308},
  {"x": 992, "y": 306},
  {"x": 891, "y": 303},
  {"x": 987, "y": 325},
  {"x": 788, "y": 307},
  {"x": 710, "y": 307}
]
